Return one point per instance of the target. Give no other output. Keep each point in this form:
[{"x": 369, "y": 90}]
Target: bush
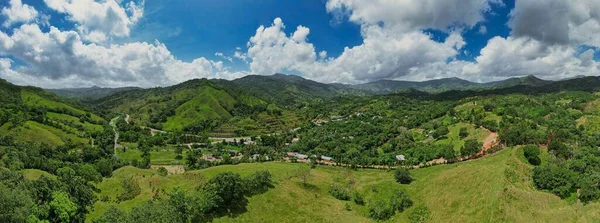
[
  {"x": 258, "y": 182},
  {"x": 419, "y": 214},
  {"x": 358, "y": 199},
  {"x": 380, "y": 210},
  {"x": 463, "y": 133},
  {"x": 131, "y": 189},
  {"x": 556, "y": 179},
  {"x": 339, "y": 191},
  {"x": 163, "y": 171},
  {"x": 470, "y": 148},
  {"x": 403, "y": 176},
  {"x": 400, "y": 200},
  {"x": 532, "y": 153}
]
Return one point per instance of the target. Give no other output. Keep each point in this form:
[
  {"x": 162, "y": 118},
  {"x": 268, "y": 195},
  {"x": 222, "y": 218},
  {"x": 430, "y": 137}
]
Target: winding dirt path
[
  {"x": 114, "y": 126},
  {"x": 490, "y": 141}
]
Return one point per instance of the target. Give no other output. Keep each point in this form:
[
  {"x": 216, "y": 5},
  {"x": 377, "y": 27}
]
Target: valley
[{"x": 311, "y": 151}]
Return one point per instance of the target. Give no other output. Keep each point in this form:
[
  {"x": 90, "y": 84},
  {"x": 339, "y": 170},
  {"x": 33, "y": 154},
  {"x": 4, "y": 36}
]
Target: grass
[
  {"x": 496, "y": 188},
  {"x": 592, "y": 107},
  {"x": 591, "y": 123},
  {"x": 164, "y": 156},
  {"x": 33, "y": 100},
  {"x": 88, "y": 127},
  {"x": 34, "y": 174},
  {"x": 209, "y": 103},
  {"x": 453, "y": 136},
  {"x": 31, "y": 134}
]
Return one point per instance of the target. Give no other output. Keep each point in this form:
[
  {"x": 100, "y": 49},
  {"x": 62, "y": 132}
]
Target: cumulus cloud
[
  {"x": 98, "y": 21},
  {"x": 62, "y": 58},
  {"x": 410, "y": 15},
  {"x": 508, "y": 57},
  {"x": 221, "y": 55},
  {"x": 394, "y": 44},
  {"x": 557, "y": 21},
  {"x": 383, "y": 54},
  {"x": 17, "y": 12}
]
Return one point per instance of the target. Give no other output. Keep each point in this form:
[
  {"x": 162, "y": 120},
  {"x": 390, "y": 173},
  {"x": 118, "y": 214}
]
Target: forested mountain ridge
[
  {"x": 90, "y": 93},
  {"x": 202, "y": 106},
  {"x": 446, "y": 84}
]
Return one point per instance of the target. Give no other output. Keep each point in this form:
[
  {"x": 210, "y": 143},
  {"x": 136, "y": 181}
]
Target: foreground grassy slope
[{"x": 496, "y": 188}]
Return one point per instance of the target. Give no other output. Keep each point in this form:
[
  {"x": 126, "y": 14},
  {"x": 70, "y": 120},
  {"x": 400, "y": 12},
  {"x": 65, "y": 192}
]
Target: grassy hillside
[
  {"x": 32, "y": 115},
  {"x": 496, "y": 188},
  {"x": 203, "y": 106}
]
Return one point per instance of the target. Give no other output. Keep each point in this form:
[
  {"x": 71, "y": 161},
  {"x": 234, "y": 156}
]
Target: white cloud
[
  {"x": 60, "y": 58},
  {"x": 557, "y": 21},
  {"x": 482, "y": 29},
  {"x": 18, "y": 13},
  {"x": 383, "y": 54},
  {"x": 411, "y": 15},
  {"x": 98, "y": 21},
  {"x": 221, "y": 55}
]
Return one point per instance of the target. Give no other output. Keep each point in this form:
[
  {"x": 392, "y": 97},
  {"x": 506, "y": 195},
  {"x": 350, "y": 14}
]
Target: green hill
[
  {"x": 496, "y": 188},
  {"x": 213, "y": 106},
  {"x": 32, "y": 115}
]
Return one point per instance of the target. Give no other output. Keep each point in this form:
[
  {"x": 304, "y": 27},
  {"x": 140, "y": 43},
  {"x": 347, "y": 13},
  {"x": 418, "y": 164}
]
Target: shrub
[
  {"x": 258, "y": 182},
  {"x": 419, "y": 214},
  {"x": 400, "y": 200},
  {"x": 403, "y": 176},
  {"x": 358, "y": 199},
  {"x": 339, "y": 191},
  {"x": 380, "y": 210},
  {"x": 554, "y": 178},
  {"x": 163, "y": 171},
  {"x": 131, "y": 189},
  {"x": 532, "y": 153}
]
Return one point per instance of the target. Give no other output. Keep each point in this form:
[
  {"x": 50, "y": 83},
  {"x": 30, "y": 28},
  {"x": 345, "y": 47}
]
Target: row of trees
[{"x": 224, "y": 194}]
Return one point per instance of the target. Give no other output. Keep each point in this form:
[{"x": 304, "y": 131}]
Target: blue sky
[{"x": 168, "y": 41}]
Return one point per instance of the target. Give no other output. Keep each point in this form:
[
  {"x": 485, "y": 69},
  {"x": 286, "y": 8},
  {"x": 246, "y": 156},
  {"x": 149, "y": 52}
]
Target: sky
[{"x": 148, "y": 43}]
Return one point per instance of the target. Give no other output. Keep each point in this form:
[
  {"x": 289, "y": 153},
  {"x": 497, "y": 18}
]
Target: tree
[
  {"x": 15, "y": 204},
  {"x": 304, "y": 174},
  {"x": 559, "y": 149},
  {"x": 181, "y": 204},
  {"x": 162, "y": 171},
  {"x": 112, "y": 215},
  {"x": 258, "y": 182},
  {"x": 62, "y": 208},
  {"x": 131, "y": 189},
  {"x": 470, "y": 148},
  {"x": 229, "y": 188},
  {"x": 463, "y": 133},
  {"x": 532, "y": 153},
  {"x": 558, "y": 180},
  {"x": 89, "y": 173},
  {"x": 81, "y": 191},
  {"x": 403, "y": 176}
]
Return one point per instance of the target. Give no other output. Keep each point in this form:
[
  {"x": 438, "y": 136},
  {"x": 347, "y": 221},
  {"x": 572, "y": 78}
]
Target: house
[
  {"x": 297, "y": 155},
  {"x": 335, "y": 118},
  {"x": 301, "y": 156},
  {"x": 400, "y": 157},
  {"x": 326, "y": 158}
]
